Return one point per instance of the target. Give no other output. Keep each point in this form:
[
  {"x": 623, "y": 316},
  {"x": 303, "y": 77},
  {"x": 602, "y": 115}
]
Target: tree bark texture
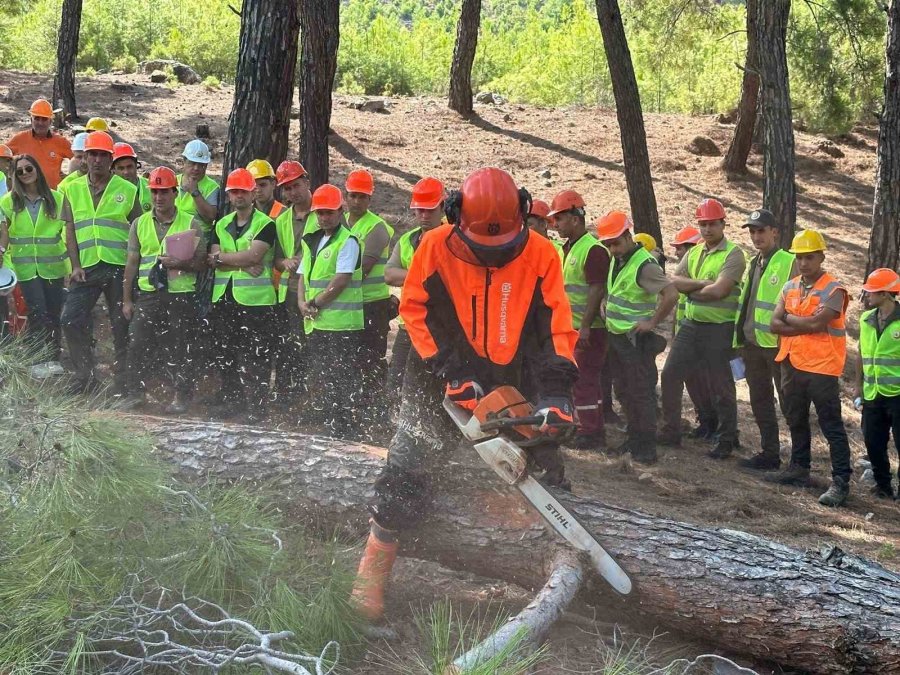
[
  {"x": 464, "y": 57},
  {"x": 264, "y": 84},
  {"x": 779, "y": 189},
  {"x": 831, "y": 615},
  {"x": 885, "y": 240},
  {"x": 739, "y": 150},
  {"x": 638, "y": 178},
  {"x": 66, "y": 53},
  {"x": 319, "y": 37}
]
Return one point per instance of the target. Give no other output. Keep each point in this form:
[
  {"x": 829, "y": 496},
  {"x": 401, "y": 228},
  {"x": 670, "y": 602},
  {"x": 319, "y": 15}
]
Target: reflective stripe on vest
[
  {"x": 36, "y": 248},
  {"x": 346, "y": 311},
  {"x": 715, "y": 311},
  {"x": 772, "y": 280},
  {"x": 880, "y": 357},
  {"x": 374, "y": 287},
  {"x": 575, "y": 281},
  {"x": 246, "y": 289},
  {"x": 824, "y": 353},
  {"x": 184, "y": 202},
  {"x": 284, "y": 226},
  {"x": 627, "y": 303},
  {"x": 407, "y": 249},
  {"x": 102, "y": 232},
  {"x": 151, "y": 249}
]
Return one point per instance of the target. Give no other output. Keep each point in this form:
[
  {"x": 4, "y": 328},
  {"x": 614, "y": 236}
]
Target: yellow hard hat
[
  {"x": 260, "y": 168},
  {"x": 808, "y": 241},
  {"x": 645, "y": 240},
  {"x": 97, "y": 124}
]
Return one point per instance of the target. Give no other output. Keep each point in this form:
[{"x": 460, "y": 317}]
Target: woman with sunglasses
[{"x": 33, "y": 242}]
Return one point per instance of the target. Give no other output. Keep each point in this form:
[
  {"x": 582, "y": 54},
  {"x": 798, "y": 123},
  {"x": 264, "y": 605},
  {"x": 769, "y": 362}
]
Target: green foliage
[{"x": 887, "y": 551}]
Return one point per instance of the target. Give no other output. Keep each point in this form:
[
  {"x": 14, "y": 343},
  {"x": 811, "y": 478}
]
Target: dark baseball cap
[{"x": 761, "y": 218}]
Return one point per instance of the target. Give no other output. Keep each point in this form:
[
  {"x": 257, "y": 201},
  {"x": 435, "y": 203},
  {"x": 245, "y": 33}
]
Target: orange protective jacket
[{"x": 467, "y": 320}]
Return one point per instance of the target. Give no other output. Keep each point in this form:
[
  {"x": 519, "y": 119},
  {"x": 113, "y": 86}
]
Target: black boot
[
  {"x": 764, "y": 461},
  {"x": 722, "y": 450},
  {"x": 793, "y": 475},
  {"x": 837, "y": 494}
]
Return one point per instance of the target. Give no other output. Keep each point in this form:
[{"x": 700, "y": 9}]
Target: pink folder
[{"x": 182, "y": 245}]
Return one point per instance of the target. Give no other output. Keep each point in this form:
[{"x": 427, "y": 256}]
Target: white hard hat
[
  {"x": 196, "y": 151},
  {"x": 7, "y": 281},
  {"x": 78, "y": 141}
]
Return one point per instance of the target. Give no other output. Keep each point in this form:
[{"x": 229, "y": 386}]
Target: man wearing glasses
[{"x": 49, "y": 149}]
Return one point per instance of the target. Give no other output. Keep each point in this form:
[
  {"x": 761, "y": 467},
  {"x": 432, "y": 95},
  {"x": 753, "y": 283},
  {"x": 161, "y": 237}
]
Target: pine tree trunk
[
  {"x": 884, "y": 245},
  {"x": 631, "y": 120},
  {"x": 66, "y": 53},
  {"x": 319, "y": 37},
  {"x": 264, "y": 84},
  {"x": 736, "y": 158},
  {"x": 831, "y": 615},
  {"x": 779, "y": 191},
  {"x": 464, "y": 57}
]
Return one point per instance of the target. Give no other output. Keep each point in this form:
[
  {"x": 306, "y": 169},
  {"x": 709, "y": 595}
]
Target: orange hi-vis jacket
[
  {"x": 826, "y": 352},
  {"x": 467, "y": 320}
]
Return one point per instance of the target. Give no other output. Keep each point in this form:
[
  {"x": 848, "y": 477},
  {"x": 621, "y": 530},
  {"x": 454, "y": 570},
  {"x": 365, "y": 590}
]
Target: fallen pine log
[{"x": 829, "y": 613}]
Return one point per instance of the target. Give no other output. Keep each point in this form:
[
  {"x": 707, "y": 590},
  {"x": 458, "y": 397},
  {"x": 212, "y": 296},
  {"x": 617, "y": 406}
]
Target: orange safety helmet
[
  {"x": 540, "y": 209},
  {"x": 360, "y": 181},
  {"x": 489, "y": 209},
  {"x": 288, "y": 171},
  {"x": 613, "y": 225},
  {"x": 41, "y": 108},
  {"x": 6, "y": 152},
  {"x": 687, "y": 235},
  {"x": 99, "y": 141},
  {"x": 240, "y": 179},
  {"x": 162, "y": 178},
  {"x": 428, "y": 193},
  {"x": 327, "y": 197},
  {"x": 122, "y": 150},
  {"x": 710, "y": 209},
  {"x": 882, "y": 280},
  {"x": 566, "y": 201}
]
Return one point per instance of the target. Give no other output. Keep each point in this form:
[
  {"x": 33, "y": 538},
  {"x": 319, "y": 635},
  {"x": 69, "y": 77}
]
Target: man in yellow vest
[
  {"x": 331, "y": 302},
  {"x": 585, "y": 264},
  {"x": 242, "y": 251},
  {"x": 809, "y": 318},
  {"x": 710, "y": 276},
  {"x": 100, "y": 209},
  {"x": 164, "y": 314},
  {"x": 878, "y": 375},
  {"x": 125, "y": 165},
  {"x": 198, "y": 194}
]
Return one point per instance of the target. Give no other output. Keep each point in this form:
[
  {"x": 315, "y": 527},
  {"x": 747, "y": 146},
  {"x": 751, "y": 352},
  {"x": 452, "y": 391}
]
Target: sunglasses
[{"x": 22, "y": 170}]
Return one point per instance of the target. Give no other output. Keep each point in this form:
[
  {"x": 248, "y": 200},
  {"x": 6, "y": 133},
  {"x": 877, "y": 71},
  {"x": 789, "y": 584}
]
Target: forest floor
[{"x": 580, "y": 147}]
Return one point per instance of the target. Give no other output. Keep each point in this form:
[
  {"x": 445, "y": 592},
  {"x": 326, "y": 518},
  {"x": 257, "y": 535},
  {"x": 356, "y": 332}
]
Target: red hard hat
[
  {"x": 428, "y": 193},
  {"x": 41, "y": 108},
  {"x": 121, "y": 150},
  {"x": 327, "y": 197},
  {"x": 490, "y": 212},
  {"x": 566, "y": 201},
  {"x": 540, "y": 209},
  {"x": 360, "y": 181},
  {"x": 613, "y": 225},
  {"x": 162, "y": 178},
  {"x": 882, "y": 280},
  {"x": 687, "y": 235},
  {"x": 101, "y": 141},
  {"x": 240, "y": 179},
  {"x": 289, "y": 170},
  {"x": 710, "y": 209},
  {"x": 5, "y": 151}
]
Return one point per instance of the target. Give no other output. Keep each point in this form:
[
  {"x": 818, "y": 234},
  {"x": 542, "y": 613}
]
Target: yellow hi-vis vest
[
  {"x": 714, "y": 311},
  {"x": 573, "y": 276},
  {"x": 245, "y": 288},
  {"x": 36, "y": 248},
  {"x": 346, "y": 311},
  {"x": 880, "y": 356},
  {"x": 152, "y": 248},
  {"x": 102, "y": 231},
  {"x": 373, "y": 286}
]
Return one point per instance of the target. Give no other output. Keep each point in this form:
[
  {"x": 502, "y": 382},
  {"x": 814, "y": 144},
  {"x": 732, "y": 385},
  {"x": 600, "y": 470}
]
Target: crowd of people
[{"x": 291, "y": 295}]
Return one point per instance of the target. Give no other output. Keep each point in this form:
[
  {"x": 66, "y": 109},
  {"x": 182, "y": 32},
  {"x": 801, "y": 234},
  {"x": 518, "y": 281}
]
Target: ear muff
[
  {"x": 525, "y": 203},
  {"x": 453, "y": 207}
]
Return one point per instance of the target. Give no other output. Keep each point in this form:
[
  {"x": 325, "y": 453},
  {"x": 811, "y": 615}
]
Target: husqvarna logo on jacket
[{"x": 505, "y": 292}]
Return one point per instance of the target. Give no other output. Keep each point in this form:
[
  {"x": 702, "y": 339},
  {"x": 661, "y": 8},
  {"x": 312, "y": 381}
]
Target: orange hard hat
[
  {"x": 882, "y": 280},
  {"x": 41, "y": 108},
  {"x": 162, "y": 178},
  {"x": 710, "y": 209},
  {"x": 360, "y": 181},
  {"x": 289, "y": 170},
  {"x": 490, "y": 208},
  {"x": 613, "y": 225},
  {"x": 540, "y": 209},
  {"x": 687, "y": 235},
  {"x": 566, "y": 201},
  {"x": 100, "y": 141},
  {"x": 327, "y": 197},
  {"x": 122, "y": 150},
  {"x": 5, "y": 151},
  {"x": 428, "y": 193},
  {"x": 240, "y": 179}
]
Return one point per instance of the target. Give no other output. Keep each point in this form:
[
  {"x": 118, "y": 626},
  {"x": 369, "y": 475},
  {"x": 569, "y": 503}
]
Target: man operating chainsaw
[{"x": 483, "y": 296}]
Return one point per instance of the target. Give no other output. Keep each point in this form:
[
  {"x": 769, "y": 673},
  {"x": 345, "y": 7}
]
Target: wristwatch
[
  {"x": 2, "y": 250},
  {"x": 217, "y": 260},
  {"x": 195, "y": 192}
]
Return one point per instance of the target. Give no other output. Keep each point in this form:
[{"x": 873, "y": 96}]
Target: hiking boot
[
  {"x": 702, "y": 432},
  {"x": 595, "y": 441},
  {"x": 837, "y": 494},
  {"x": 722, "y": 450},
  {"x": 793, "y": 475},
  {"x": 672, "y": 438},
  {"x": 883, "y": 492},
  {"x": 761, "y": 462}
]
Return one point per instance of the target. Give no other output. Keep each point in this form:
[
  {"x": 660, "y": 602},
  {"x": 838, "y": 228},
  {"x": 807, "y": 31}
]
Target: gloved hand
[
  {"x": 464, "y": 393},
  {"x": 556, "y": 411}
]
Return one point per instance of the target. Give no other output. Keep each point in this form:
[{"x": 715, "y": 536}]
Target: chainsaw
[{"x": 502, "y": 424}]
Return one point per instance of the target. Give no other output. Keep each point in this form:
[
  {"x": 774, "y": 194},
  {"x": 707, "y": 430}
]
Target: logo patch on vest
[
  {"x": 896, "y": 335},
  {"x": 120, "y": 198},
  {"x": 326, "y": 254},
  {"x": 147, "y": 207},
  {"x": 773, "y": 280},
  {"x": 571, "y": 261}
]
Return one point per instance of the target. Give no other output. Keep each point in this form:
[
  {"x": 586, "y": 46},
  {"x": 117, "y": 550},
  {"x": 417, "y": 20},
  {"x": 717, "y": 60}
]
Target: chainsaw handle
[{"x": 509, "y": 422}]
